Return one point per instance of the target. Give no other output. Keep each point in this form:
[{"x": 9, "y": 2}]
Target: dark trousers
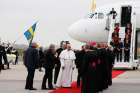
[
  {"x": 56, "y": 73},
  {"x": 48, "y": 75},
  {"x": 29, "y": 79},
  {"x": 119, "y": 55},
  {"x": 16, "y": 60},
  {"x": 84, "y": 85},
  {"x": 116, "y": 53},
  {"x": 126, "y": 55},
  {"x": 110, "y": 75},
  {"x": 78, "y": 78},
  {"x": 5, "y": 60},
  {"x": 0, "y": 63},
  {"x": 89, "y": 84}
]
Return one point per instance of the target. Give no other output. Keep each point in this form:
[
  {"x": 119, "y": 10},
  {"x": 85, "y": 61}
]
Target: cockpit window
[
  {"x": 100, "y": 15},
  {"x": 96, "y": 15}
]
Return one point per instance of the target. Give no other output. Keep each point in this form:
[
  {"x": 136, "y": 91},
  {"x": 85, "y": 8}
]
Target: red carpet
[{"x": 74, "y": 89}]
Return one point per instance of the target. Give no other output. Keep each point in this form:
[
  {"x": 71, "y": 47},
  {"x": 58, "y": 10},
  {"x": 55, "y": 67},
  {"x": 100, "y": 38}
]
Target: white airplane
[{"x": 93, "y": 29}]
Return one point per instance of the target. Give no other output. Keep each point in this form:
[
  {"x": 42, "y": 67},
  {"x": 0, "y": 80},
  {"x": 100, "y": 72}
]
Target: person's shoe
[
  {"x": 32, "y": 89},
  {"x": 26, "y": 88},
  {"x": 44, "y": 88},
  {"x": 51, "y": 88},
  {"x": 66, "y": 87},
  {"x": 8, "y": 68},
  {"x": 110, "y": 84},
  {"x": 105, "y": 88}
]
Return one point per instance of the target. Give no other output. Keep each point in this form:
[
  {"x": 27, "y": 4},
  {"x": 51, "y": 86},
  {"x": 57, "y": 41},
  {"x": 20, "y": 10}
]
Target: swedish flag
[{"x": 29, "y": 34}]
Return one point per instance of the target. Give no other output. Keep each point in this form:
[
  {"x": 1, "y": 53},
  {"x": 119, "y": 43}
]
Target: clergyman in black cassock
[
  {"x": 88, "y": 73},
  {"x": 102, "y": 69},
  {"x": 111, "y": 60}
]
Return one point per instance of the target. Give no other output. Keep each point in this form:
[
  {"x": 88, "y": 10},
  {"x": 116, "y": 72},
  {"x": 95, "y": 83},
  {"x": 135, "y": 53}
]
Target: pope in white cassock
[{"x": 67, "y": 58}]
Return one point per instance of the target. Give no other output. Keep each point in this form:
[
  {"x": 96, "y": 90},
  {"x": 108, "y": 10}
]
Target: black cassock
[
  {"x": 110, "y": 60},
  {"x": 102, "y": 70},
  {"x": 88, "y": 73}
]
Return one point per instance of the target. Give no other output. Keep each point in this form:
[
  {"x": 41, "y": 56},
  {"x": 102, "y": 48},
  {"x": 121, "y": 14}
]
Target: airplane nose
[
  {"x": 88, "y": 30},
  {"x": 76, "y": 30}
]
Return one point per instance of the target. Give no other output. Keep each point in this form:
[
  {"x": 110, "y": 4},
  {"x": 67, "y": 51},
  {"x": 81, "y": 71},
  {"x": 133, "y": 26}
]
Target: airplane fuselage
[{"x": 93, "y": 29}]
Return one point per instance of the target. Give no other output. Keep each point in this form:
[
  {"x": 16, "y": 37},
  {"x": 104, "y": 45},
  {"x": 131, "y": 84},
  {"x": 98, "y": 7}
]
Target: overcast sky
[{"x": 53, "y": 16}]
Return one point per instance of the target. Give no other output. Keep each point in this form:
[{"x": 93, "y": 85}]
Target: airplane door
[{"x": 125, "y": 15}]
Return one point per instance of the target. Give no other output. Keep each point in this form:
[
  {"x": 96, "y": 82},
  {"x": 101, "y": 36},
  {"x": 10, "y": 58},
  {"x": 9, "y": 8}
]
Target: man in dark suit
[
  {"x": 31, "y": 60},
  {"x": 49, "y": 63},
  {"x": 58, "y": 64},
  {"x": 78, "y": 62},
  {"x": 41, "y": 59}
]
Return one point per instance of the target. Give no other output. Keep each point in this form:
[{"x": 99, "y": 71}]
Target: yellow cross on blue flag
[{"x": 29, "y": 34}]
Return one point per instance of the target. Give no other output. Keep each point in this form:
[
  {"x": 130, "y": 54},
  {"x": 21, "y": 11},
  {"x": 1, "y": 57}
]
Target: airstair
[{"x": 132, "y": 63}]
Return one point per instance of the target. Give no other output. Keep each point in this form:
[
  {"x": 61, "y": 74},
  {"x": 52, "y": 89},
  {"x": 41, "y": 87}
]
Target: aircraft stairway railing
[{"x": 111, "y": 28}]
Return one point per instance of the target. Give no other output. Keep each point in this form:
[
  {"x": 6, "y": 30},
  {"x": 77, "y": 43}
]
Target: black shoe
[
  {"x": 8, "y": 68},
  {"x": 26, "y": 88},
  {"x": 100, "y": 90},
  {"x": 110, "y": 84},
  {"x": 66, "y": 87},
  {"x": 44, "y": 88},
  {"x": 32, "y": 89},
  {"x": 105, "y": 88},
  {"x": 51, "y": 89}
]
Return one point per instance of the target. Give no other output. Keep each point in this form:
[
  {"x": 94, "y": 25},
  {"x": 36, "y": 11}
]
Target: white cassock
[{"x": 67, "y": 59}]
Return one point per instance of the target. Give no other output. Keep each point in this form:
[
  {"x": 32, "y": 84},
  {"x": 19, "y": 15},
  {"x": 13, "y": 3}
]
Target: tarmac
[{"x": 13, "y": 81}]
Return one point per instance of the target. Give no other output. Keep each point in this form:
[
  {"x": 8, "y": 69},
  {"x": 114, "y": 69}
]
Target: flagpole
[
  {"x": 93, "y": 6},
  {"x": 33, "y": 35}
]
